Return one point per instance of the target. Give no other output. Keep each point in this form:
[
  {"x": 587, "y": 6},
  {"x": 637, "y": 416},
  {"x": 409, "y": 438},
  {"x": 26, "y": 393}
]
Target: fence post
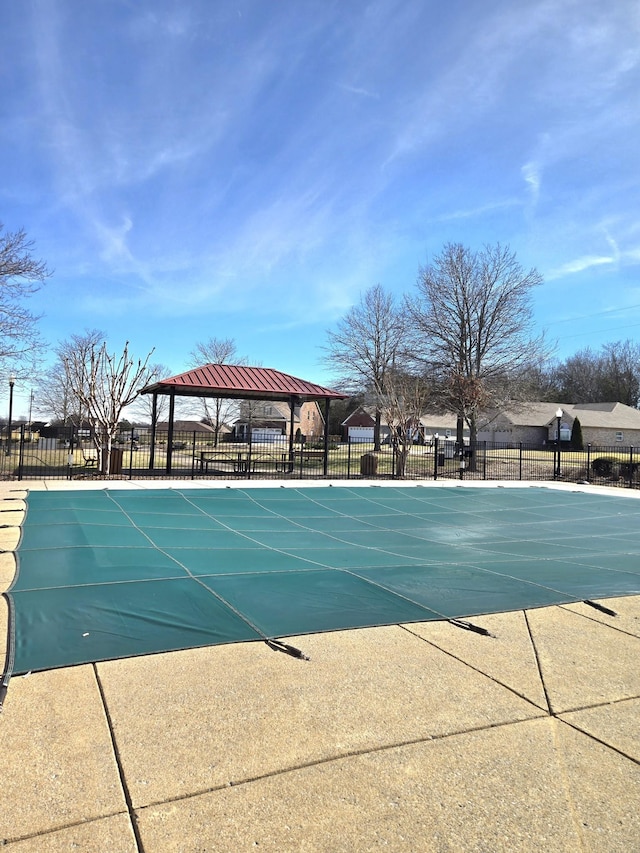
[
  {"x": 70, "y": 454},
  {"x": 131, "y": 454},
  {"x": 301, "y": 466},
  {"x": 348, "y": 457},
  {"x": 631, "y": 466},
  {"x": 21, "y": 452},
  {"x": 484, "y": 460},
  {"x": 435, "y": 457},
  {"x": 193, "y": 457},
  {"x": 588, "y": 462},
  {"x": 520, "y": 466}
]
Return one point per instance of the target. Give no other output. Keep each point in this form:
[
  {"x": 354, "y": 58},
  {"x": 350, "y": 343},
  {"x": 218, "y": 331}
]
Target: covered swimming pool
[{"x": 115, "y": 573}]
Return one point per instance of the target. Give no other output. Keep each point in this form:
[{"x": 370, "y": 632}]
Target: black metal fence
[{"x": 195, "y": 455}]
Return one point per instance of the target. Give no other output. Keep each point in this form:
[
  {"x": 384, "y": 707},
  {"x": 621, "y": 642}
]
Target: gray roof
[
  {"x": 524, "y": 414},
  {"x": 439, "y": 421},
  {"x": 612, "y": 415},
  {"x": 446, "y": 420},
  {"x": 604, "y": 415},
  {"x": 594, "y": 415},
  {"x": 186, "y": 426}
]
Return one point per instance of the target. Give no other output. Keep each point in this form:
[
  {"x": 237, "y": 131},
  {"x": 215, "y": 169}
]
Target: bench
[
  {"x": 287, "y": 464},
  {"x": 308, "y": 454},
  {"x": 239, "y": 462}
]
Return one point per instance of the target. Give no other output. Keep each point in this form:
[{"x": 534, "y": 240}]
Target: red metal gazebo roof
[{"x": 233, "y": 381}]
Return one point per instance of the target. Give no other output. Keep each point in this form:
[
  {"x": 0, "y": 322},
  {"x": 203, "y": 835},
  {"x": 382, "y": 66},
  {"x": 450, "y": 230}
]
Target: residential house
[
  {"x": 358, "y": 427},
  {"x": 201, "y": 430},
  {"x": 522, "y": 422},
  {"x": 607, "y": 424},
  {"x": 270, "y": 419}
]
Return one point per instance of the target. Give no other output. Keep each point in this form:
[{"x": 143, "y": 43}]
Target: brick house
[
  {"x": 608, "y": 424},
  {"x": 358, "y": 426},
  {"x": 604, "y": 423},
  {"x": 273, "y": 418}
]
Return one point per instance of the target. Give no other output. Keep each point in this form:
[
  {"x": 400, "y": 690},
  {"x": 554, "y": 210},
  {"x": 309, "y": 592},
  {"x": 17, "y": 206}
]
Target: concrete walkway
[{"x": 420, "y": 737}]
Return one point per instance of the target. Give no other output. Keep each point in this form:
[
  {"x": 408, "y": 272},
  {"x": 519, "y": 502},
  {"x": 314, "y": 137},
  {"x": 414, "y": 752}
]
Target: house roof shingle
[
  {"x": 591, "y": 415},
  {"x": 186, "y": 426}
]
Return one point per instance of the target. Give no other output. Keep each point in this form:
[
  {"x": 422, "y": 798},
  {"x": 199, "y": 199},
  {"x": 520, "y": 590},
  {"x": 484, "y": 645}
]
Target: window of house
[{"x": 619, "y": 436}]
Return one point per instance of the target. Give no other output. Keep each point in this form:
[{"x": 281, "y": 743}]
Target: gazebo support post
[
  {"x": 325, "y": 461},
  {"x": 292, "y": 406},
  {"x": 172, "y": 406},
  {"x": 154, "y": 417}
]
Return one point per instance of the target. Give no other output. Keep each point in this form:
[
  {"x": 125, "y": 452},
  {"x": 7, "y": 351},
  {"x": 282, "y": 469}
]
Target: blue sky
[{"x": 202, "y": 168}]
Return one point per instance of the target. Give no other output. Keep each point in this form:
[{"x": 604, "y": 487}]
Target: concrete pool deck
[{"x": 421, "y": 737}]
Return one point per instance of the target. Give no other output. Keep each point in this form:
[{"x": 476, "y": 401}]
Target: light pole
[
  {"x": 558, "y": 419},
  {"x": 12, "y": 382}
]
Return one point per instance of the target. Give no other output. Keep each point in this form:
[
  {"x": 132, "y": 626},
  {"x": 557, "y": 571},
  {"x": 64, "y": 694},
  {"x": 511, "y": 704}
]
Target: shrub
[
  {"x": 629, "y": 470},
  {"x": 319, "y": 445},
  {"x": 576, "y": 435},
  {"x": 606, "y": 466}
]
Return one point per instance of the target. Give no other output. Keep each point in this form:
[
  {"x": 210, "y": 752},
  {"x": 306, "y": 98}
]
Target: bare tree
[
  {"x": 472, "y": 317},
  {"x": 104, "y": 385},
  {"x": 216, "y": 411},
  {"x": 143, "y": 405},
  {"x": 21, "y": 275},
  {"x": 405, "y": 401},
  {"x": 578, "y": 378},
  {"x": 610, "y": 375},
  {"x": 540, "y": 382},
  {"x": 56, "y": 397},
  {"x": 365, "y": 347},
  {"x": 621, "y": 373}
]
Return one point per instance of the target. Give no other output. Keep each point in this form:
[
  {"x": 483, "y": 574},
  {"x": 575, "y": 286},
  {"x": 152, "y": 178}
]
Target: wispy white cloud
[
  {"x": 615, "y": 249},
  {"x": 474, "y": 80},
  {"x": 531, "y": 172},
  {"x": 150, "y": 23},
  {"x": 114, "y": 240},
  {"x": 475, "y": 212},
  {"x": 620, "y": 236},
  {"x": 359, "y": 90},
  {"x": 579, "y": 265}
]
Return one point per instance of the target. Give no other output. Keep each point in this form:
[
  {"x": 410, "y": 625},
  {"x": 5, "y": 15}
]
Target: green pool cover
[{"x": 115, "y": 573}]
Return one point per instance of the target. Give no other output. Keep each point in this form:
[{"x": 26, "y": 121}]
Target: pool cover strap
[{"x": 279, "y": 646}]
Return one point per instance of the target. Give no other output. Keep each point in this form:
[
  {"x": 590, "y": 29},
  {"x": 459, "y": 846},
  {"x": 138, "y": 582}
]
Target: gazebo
[{"x": 237, "y": 382}]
